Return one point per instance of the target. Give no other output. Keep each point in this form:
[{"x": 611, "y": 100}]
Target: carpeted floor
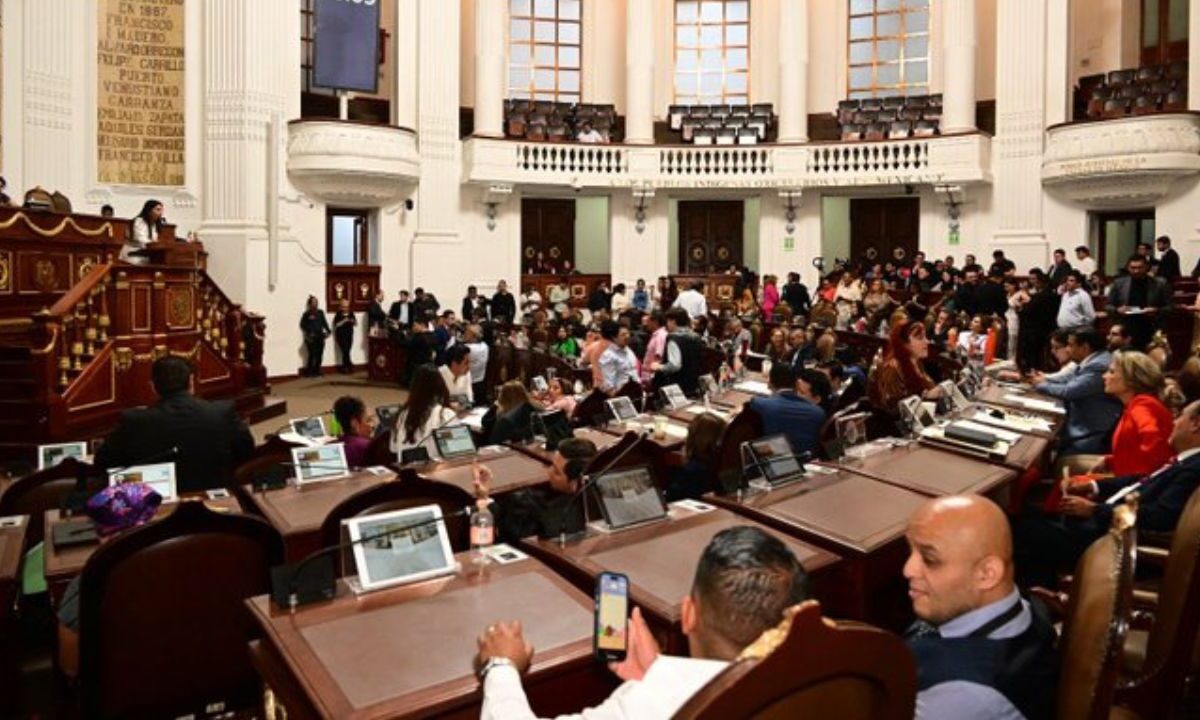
[{"x": 313, "y": 396}]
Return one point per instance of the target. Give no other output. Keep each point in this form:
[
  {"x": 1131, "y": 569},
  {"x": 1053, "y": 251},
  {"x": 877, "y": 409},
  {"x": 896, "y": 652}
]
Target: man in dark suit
[
  {"x": 1046, "y": 545},
  {"x": 788, "y": 413},
  {"x": 795, "y": 294},
  {"x": 376, "y": 317},
  {"x": 1168, "y": 260},
  {"x": 504, "y": 306},
  {"x": 966, "y": 297},
  {"x": 1060, "y": 268},
  {"x": 401, "y": 311},
  {"x": 420, "y": 348},
  {"x": 1138, "y": 298},
  {"x": 209, "y": 437}
]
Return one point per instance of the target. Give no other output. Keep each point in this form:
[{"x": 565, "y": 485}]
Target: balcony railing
[
  {"x": 944, "y": 159},
  {"x": 1122, "y": 163}
]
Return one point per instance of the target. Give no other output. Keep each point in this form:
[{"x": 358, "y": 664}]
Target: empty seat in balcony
[
  {"x": 727, "y": 136},
  {"x": 1146, "y": 104},
  {"x": 934, "y": 100},
  {"x": 900, "y": 129},
  {"x": 852, "y": 132},
  {"x": 676, "y": 114},
  {"x": 767, "y": 108},
  {"x": 1121, "y": 77},
  {"x": 714, "y": 124},
  {"x": 893, "y": 102},
  {"x": 1128, "y": 92},
  {"x": 846, "y": 110},
  {"x": 1148, "y": 73},
  {"x": 703, "y": 136},
  {"x": 917, "y": 101},
  {"x": 515, "y": 126},
  {"x": 911, "y": 114},
  {"x": 1175, "y": 101},
  {"x": 535, "y": 131},
  {"x": 925, "y": 128},
  {"x": 1162, "y": 87},
  {"x": 872, "y": 105},
  {"x": 932, "y": 114},
  {"x": 740, "y": 109},
  {"x": 558, "y": 133},
  {"x": 747, "y": 136},
  {"x": 688, "y": 127},
  {"x": 863, "y": 117},
  {"x": 1115, "y": 107},
  {"x": 886, "y": 115},
  {"x": 876, "y": 131},
  {"x": 759, "y": 125},
  {"x": 1177, "y": 70}
]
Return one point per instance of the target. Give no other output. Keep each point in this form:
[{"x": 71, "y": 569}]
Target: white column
[
  {"x": 1194, "y": 55},
  {"x": 50, "y": 57},
  {"x": 404, "y": 106},
  {"x": 793, "y": 71},
  {"x": 958, "y": 65},
  {"x": 1058, "y": 62},
  {"x": 491, "y": 19},
  {"x": 639, "y": 72}
]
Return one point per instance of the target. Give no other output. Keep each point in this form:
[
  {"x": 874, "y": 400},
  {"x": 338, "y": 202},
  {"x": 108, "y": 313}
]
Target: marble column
[
  {"x": 958, "y": 65},
  {"x": 491, "y": 19},
  {"x": 639, "y": 72},
  {"x": 793, "y": 71},
  {"x": 1193, "y": 87}
]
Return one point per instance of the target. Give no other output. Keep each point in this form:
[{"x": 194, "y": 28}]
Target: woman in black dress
[
  {"x": 315, "y": 329},
  {"x": 343, "y": 333}
]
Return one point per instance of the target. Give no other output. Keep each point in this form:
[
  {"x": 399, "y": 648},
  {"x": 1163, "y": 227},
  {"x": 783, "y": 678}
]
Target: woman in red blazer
[{"x": 1140, "y": 443}]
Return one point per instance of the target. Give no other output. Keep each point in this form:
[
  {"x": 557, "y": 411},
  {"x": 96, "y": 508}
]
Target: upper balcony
[
  {"x": 352, "y": 164},
  {"x": 958, "y": 159},
  {"x": 1121, "y": 163}
]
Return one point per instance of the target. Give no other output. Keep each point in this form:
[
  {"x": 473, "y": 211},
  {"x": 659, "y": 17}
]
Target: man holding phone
[{"x": 744, "y": 582}]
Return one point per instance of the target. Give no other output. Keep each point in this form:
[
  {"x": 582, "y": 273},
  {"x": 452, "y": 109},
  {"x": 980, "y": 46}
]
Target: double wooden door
[
  {"x": 883, "y": 229},
  {"x": 710, "y": 235},
  {"x": 547, "y": 227}
]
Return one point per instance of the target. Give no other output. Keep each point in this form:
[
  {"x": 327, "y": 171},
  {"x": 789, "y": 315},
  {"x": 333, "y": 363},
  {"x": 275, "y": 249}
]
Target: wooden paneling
[
  {"x": 359, "y": 283},
  {"x": 710, "y": 235},
  {"x": 580, "y": 285},
  {"x": 884, "y": 226},
  {"x": 548, "y": 227}
]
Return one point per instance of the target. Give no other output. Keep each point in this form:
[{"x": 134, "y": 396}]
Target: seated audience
[
  {"x": 456, "y": 373},
  {"x": 1091, "y": 414},
  {"x": 358, "y": 427},
  {"x": 777, "y": 347},
  {"x": 747, "y": 306},
  {"x": 902, "y": 373},
  {"x": 558, "y": 396},
  {"x": 1118, "y": 338},
  {"x": 112, "y": 511},
  {"x": 972, "y": 342},
  {"x": 788, "y": 413},
  {"x": 1048, "y": 545},
  {"x": 1140, "y": 441},
  {"x": 982, "y": 651},
  {"x": 540, "y": 511},
  {"x": 589, "y": 134},
  {"x": 205, "y": 439},
  {"x": 739, "y": 337},
  {"x": 942, "y": 328},
  {"x": 511, "y": 418},
  {"x": 1060, "y": 351},
  {"x": 427, "y": 409},
  {"x": 744, "y": 582},
  {"x": 565, "y": 344},
  {"x": 813, "y": 385},
  {"x": 698, "y": 474},
  {"x": 617, "y": 364}
]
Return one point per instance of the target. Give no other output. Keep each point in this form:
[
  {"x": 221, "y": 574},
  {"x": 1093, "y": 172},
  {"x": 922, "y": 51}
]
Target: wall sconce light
[
  {"x": 493, "y": 197},
  {"x": 791, "y": 199},
  {"x": 953, "y": 199},
  {"x": 643, "y": 193}
]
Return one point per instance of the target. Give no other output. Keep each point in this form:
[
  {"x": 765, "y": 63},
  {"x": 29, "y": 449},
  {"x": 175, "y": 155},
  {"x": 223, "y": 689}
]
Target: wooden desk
[
  {"x": 862, "y": 520},
  {"x": 297, "y": 511},
  {"x": 12, "y": 543},
  {"x": 511, "y": 470},
  {"x": 1026, "y": 452},
  {"x": 689, "y": 413},
  {"x": 537, "y": 450},
  {"x": 998, "y": 396},
  {"x": 1055, "y": 420},
  {"x": 61, "y": 566},
  {"x": 933, "y": 472},
  {"x": 408, "y": 652},
  {"x": 674, "y": 439},
  {"x": 660, "y": 559}
]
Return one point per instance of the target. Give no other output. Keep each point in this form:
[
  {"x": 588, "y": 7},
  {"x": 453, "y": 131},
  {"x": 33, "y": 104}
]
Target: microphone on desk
[
  {"x": 312, "y": 580},
  {"x": 76, "y": 500},
  {"x": 417, "y": 453},
  {"x": 590, "y": 480}
]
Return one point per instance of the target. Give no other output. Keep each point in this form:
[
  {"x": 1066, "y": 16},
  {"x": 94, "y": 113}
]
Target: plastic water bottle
[{"x": 483, "y": 532}]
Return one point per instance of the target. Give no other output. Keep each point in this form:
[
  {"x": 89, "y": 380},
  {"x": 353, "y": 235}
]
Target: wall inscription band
[{"x": 140, "y": 104}]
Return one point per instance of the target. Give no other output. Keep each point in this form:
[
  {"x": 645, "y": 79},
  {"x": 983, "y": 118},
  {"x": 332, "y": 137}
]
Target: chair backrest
[
  {"x": 44, "y": 490},
  {"x": 407, "y": 492},
  {"x": 162, "y": 625},
  {"x": 744, "y": 427},
  {"x": 863, "y": 673},
  {"x": 1101, "y": 599},
  {"x": 379, "y": 452},
  {"x": 256, "y": 467}
]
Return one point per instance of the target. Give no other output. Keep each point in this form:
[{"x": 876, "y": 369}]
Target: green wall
[
  {"x": 591, "y": 235},
  {"x": 835, "y": 228}
]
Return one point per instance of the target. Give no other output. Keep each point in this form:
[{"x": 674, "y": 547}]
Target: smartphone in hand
[{"x": 611, "y": 638}]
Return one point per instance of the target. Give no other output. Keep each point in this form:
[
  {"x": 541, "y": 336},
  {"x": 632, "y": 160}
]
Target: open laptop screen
[
  {"x": 775, "y": 459},
  {"x": 454, "y": 441},
  {"x": 629, "y": 496},
  {"x": 622, "y": 409}
]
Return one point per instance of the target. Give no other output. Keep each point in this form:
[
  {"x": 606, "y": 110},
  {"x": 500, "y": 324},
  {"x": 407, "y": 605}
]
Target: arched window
[
  {"x": 889, "y": 48},
  {"x": 544, "y": 51},
  {"x": 712, "y": 52}
]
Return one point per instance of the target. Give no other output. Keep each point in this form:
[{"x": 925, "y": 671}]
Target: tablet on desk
[
  {"x": 51, "y": 455},
  {"x": 915, "y": 412},
  {"x": 312, "y": 428},
  {"x": 621, "y": 408},
  {"x": 387, "y": 417},
  {"x": 160, "y": 477},
  {"x": 401, "y": 546},
  {"x": 454, "y": 441},
  {"x": 774, "y": 458},
  {"x": 555, "y": 428},
  {"x": 674, "y": 397},
  {"x": 316, "y": 464},
  {"x": 629, "y": 497}
]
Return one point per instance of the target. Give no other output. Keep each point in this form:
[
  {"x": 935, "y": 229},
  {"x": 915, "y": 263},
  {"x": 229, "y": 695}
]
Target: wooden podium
[{"x": 174, "y": 254}]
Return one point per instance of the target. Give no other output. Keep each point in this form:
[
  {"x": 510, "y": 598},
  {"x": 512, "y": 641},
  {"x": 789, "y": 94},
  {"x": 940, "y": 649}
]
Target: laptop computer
[
  {"x": 159, "y": 476},
  {"x": 454, "y": 441},
  {"x": 772, "y": 456},
  {"x": 320, "y": 463},
  {"x": 51, "y": 455},
  {"x": 674, "y": 398},
  {"x": 401, "y": 546},
  {"x": 629, "y": 497},
  {"x": 622, "y": 409},
  {"x": 312, "y": 428}
]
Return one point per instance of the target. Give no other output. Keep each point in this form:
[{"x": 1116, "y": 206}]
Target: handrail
[{"x": 66, "y": 304}]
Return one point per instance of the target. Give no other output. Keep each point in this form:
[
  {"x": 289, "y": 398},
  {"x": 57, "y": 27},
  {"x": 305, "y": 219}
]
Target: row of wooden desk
[{"x": 408, "y": 651}]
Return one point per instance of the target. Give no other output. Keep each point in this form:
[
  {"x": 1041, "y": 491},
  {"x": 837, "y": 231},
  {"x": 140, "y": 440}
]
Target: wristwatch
[{"x": 493, "y": 662}]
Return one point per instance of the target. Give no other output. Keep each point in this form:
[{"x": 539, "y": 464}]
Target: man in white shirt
[
  {"x": 531, "y": 302},
  {"x": 693, "y": 300},
  {"x": 456, "y": 373},
  {"x": 589, "y": 134},
  {"x": 1084, "y": 262},
  {"x": 560, "y": 295},
  {"x": 744, "y": 582},
  {"x": 617, "y": 364},
  {"x": 478, "y": 357},
  {"x": 1076, "y": 309}
]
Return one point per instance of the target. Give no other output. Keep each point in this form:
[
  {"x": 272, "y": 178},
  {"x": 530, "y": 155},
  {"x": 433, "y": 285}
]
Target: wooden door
[
  {"x": 710, "y": 235},
  {"x": 883, "y": 229},
  {"x": 548, "y": 227}
]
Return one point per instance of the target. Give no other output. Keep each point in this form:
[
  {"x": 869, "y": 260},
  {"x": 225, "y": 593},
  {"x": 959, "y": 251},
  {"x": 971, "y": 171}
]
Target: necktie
[{"x": 921, "y": 629}]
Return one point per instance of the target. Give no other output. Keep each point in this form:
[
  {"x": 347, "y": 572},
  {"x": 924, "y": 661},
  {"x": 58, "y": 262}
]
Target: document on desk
[
  {"x": 1034, "y": 404},
  {"x": 754, "y": 387},
  {"x": 474, "y": 418},
  {"x": 1024, "y": 424},
  {"x": 1006, "y": 435}
]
